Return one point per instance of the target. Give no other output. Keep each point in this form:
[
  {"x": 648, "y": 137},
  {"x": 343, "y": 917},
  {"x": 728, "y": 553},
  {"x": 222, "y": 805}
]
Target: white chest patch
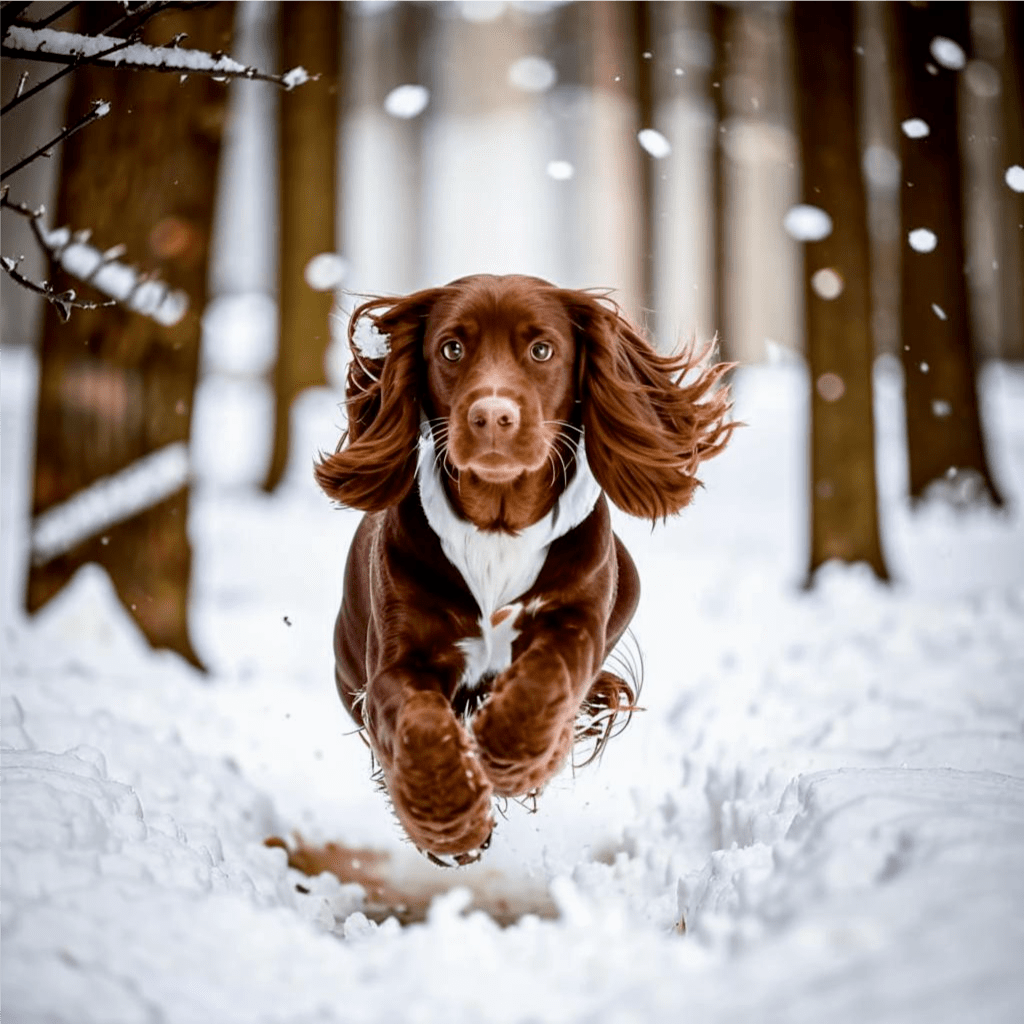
[
  {"x": 498, "y": 567},
  {"x": 491, "y": 652}
]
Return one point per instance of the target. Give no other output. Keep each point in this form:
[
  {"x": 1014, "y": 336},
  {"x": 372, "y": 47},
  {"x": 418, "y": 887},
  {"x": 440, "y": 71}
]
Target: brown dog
[{"x": 481, "y": 603}]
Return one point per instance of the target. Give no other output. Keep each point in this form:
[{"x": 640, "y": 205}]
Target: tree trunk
[
  {"x": 944, "y": 436},
  {"x": 642, "y": 43},
  {"x": 310, "y": 35},
  {"x": 1011, "y": 226},
  {"x": 843, "y": 496},
  {"x": 722, "y": 31},
  {"x": 115, "y": 389}
]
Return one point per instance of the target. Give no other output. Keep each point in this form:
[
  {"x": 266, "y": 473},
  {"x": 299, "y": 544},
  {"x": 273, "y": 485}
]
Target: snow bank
[{"x": 819, "y": 817}]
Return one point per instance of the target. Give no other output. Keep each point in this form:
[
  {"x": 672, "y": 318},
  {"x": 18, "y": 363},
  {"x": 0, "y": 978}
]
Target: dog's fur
[{"x": 481, "y": 604}]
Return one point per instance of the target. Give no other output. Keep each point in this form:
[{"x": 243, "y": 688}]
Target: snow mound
[{"x": 819, "y": 815}]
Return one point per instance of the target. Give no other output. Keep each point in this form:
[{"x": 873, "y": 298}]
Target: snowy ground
[{"x": 826, "y": 790}]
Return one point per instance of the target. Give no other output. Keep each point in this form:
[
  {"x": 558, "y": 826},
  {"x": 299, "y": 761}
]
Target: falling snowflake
[
  {"x": 827, "y": 283},
  {"x": 831, "y": 386},
  {"x": 654, "y": 143},
  {"x": 807, "y": 223},
  {"x": 407, "y": 101},
  {"x": 922, "y": 240},
  {"x": 532, "y": 74},
  {"x": 939, "y": 311},
  {"x": 915, "y": 128},
  {"x": 881, "y": 167},
  {"x": 481, "y": 11},
  {"x": 560, "y": 170},
  {"x": 948, "y": 53},
  {"x": 1014, "y": 177},
  {"x": 325, "y": 271}
]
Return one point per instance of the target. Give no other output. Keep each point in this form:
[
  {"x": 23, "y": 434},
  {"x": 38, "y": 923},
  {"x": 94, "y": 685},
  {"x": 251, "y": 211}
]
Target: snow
[
  {"x": 532, "y": 74},
  {"x": 881, "y": 167},
  {"x": 560, "y": 170},
  {"x": 807, "y": 223},
  {"x": 104, "y": 272},
  {"x": 948, "y": 53},
  {"x": 939, "y": 311},
  {"x": 371, "y": 342},
  {"x": 482, "y": 11},
  {"x": 827, "y": 283},
  {"x": 48, "y": 40},
  {"x": 110, "y": 500},
  {"x": 239, "y": 334},
  {"x": 296, "y": 76},
  {"x": 1014, "y": 177},
  {"x": 915, "y": 128},
  {"x": 325, "y": 271},
  {"x": 407, "y": 101},
  {"x": 922, "y": 240},
  {"x": 826, "y": 788},
  {"x": 654, "y": 143},
  {"x": 119, "y": 53}
]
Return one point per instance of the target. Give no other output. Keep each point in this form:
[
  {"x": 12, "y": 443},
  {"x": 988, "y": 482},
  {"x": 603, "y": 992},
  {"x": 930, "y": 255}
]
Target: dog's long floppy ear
[
  {"x": 647, "y": 428},
  {"x": 375, "y": 463}
]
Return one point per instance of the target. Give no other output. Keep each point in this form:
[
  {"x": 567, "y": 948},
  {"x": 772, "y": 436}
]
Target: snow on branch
[
  {"x": 70, "y": 47},
  {"x": 101, "y": 270},
  {"x": 141, "y": 15},
  {"x": 63, "y": 301}
]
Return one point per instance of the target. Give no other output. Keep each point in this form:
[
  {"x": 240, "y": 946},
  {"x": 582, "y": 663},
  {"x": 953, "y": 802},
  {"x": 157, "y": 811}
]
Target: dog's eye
[
  {"x": 542, "y": 351},
  {"x": 452, "y": 350}
]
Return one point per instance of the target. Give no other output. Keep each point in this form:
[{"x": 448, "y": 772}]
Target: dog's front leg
[
  {"x": 437, "y": 785},
  {"x": 525, "y": 730}
]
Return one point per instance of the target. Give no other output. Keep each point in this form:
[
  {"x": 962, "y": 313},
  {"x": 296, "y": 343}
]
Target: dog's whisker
[
  {"x": 554, "y": 468},
  {"x": 555, "y": 453}
]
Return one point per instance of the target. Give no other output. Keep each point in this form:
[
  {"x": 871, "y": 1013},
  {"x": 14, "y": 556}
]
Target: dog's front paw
[
  {"x": 520, "y": 744},
  {"x": 440, "y": 792}
]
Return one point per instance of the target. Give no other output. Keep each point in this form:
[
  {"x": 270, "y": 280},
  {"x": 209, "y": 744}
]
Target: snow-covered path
[{"x": 826, "y": 789}]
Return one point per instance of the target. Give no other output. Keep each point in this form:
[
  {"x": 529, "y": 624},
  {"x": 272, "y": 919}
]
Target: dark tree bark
[
  {"x": 310, "y": 36},
  {"x": 116, "y": 386},
  {"x": 944, "y": 435},
  {"x": 843, "y": 494}
]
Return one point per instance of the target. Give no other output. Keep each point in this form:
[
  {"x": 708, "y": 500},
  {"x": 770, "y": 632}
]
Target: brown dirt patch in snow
[{"x": 402, "y": 886}]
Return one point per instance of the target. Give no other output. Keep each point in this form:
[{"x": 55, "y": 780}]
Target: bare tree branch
[
  {"x": 101, "y": 270},
  {"x": 148, "y": 10},
  {"x": 100, "y": 108},
  {"x": 10, "y": 12},
  {"x": 64, "y": 301},
  {"x": 129, "y": 54},
  {"x": 22, "y": 79},
  {"x": 55, "y": 15},
  {"x": 72, "y": 252}
]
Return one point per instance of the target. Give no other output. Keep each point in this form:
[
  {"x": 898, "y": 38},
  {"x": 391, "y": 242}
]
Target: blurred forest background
[{"x": 825, "y": 182}]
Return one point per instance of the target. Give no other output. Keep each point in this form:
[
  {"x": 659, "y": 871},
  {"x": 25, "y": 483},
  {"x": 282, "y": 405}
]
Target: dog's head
[{"x": 509, "y": 372}]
